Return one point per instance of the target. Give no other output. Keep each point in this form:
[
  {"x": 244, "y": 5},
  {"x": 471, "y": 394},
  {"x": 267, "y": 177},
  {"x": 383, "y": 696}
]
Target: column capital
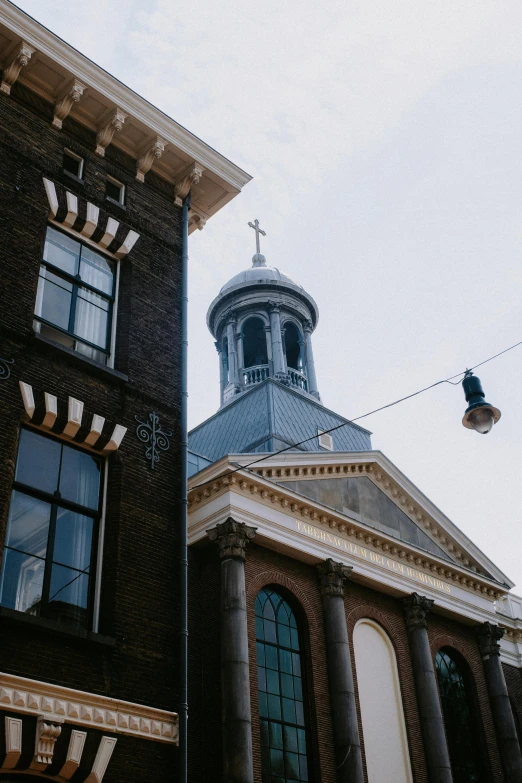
[
  {"x": 231, "y": 538},
  {"x": 488, "y": 636},
  {"x": 332, "y": 577},
  {"x": 416, "y": 610},
  {"x": 274, "y": 307},
  {"x": 231, "y": 317},
  {"x": 308, "y": 326}
]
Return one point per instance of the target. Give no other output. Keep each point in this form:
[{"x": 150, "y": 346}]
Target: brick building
[
  {"x": 92, "y": 183},
  {"x": 360, "y": 635}
]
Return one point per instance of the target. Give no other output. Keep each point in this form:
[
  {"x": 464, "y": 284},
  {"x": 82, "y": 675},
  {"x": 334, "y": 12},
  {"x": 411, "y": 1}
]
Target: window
[
  {"x": 47, "y": 564},
  {"x": 461, "y": 728},
  {"x": 325, "y": 440},
  {"x": 281, "y": 701},
  {"x": 254, "y": 343},
  {"x": 75, "y": 296},
  {"x": 115, "y": 191},
  {"x": 73, "y": 164},
  {"x": 293, "y": 347}
]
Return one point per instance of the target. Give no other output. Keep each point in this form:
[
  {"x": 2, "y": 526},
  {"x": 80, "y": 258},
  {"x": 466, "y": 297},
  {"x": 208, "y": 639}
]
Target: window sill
[
  {"x": 116, "y": 203},
  {"x": 12, "y": 616},
  {"x": 74, "y": 177},
  {"x": 99, "y": 369}
]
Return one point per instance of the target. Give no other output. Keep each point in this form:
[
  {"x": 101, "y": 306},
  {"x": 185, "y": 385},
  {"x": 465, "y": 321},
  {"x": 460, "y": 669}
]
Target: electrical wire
[{"x": 358, "y": 418}]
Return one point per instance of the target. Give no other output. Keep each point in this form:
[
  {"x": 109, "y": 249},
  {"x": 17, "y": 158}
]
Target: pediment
[{"x": 368, "y": 488}]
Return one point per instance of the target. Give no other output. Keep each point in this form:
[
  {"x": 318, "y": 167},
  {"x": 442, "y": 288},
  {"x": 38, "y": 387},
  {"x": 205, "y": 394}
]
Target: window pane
[
  {"x": 80, "y": 478},
  {"x": 68, "y": 595},
  {"x": 22, "y": 582},
  {"x": 38, "y": 461},
  {"x": 73, "y": 539},
  {"x": 62, "y": 251},
  {"x": 54, "y": 299},
  {"x": 28, "y": 525},
  {"x": 96, "y": 270},
  {"x": 91, "y": 317}
]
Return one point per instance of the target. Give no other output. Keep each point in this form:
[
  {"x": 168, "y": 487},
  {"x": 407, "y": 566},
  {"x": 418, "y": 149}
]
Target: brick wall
[{"x": 140, "y": 574}]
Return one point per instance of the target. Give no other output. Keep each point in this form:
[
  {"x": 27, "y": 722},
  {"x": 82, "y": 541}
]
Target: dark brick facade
[
  {"x": 298, "y": 581},
  {"x": 140, "y": 573}
]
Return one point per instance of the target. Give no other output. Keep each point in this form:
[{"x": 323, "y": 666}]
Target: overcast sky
[{"x": 385, "y": 142}]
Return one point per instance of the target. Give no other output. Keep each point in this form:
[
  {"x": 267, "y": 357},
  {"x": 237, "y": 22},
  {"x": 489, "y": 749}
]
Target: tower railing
[
  {"x": 297, "y": 379},
  {"x": 256, "y": 374}
]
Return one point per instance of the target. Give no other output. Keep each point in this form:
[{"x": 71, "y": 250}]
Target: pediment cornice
[{"x": 262, "y": 483}]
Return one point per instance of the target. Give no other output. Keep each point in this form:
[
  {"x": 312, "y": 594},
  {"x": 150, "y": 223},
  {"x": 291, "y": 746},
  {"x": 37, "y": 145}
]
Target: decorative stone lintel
[
  {"x": 488, "y": 637},
  {"x": 182, "y": 188},
  {"x": 332, "y": 577},
  {"x": 47, "y": 732},
  {"x": 416, "y": 610},
  {"x": 63, "y": 106},
  {"x": 232, "y": 538},
  {"x": 106, "y": 133},
  {"x": 12, "y": 70},
  {"x": 153, "y": 152}
]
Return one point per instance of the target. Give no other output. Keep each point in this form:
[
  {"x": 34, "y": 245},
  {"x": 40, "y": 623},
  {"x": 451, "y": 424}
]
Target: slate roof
[{"x": 270, "y": 417}]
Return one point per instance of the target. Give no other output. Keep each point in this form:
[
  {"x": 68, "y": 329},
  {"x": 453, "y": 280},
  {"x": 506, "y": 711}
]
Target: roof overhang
[{"x": 54, "y": 68}]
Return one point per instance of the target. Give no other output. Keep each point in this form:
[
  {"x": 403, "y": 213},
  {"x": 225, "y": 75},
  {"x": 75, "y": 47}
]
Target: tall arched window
[
  {"x": 281, "y": 703},
  {"x": 254, "y": 342},
  {"x": 461, "y": 728},
  {"x": 292, "y": 347}
]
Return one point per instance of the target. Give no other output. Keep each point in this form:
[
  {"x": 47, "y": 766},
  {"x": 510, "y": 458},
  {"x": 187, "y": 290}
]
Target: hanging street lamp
[{"x": 479, "y": 415}]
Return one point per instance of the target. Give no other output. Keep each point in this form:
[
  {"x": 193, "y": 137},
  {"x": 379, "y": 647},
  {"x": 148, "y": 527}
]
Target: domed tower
[{"x": 262, "y": 322}]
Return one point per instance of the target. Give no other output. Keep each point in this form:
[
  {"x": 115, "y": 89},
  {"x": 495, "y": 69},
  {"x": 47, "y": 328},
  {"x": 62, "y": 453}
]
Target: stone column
[
  {"x": 347, "y": 744},
  {"x": 488, "y": 636},
  {"x": 416, "y": 609},
  {"x": 222, "y": 381},
  {"x": 310, "y": 364},
  {"x": 240, "y": 358},
  {"x": 278, "y": 356},
  {"x": 232, "y": 538},
  {"x": 232, "y": 350},
  {"x": 268, "y": 336}
]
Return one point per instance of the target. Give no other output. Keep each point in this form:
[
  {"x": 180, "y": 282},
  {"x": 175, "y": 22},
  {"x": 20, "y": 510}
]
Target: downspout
[{"x": 183, "y": 515}]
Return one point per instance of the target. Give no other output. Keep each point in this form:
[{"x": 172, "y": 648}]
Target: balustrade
[
  {"x": 257, "y": 374},
  {"x": 297, "y": 379}
]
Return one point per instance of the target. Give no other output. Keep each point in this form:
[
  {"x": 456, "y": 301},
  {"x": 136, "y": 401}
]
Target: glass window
[
  {"x": 461, "y": 728},
  {"x": 73, "y": 164},
  {"x": 115, "y": 190},
  {"x": 53, "y": 517},
  {"x": 75, "y": 296},
  {"x": 281, "y": 701}
]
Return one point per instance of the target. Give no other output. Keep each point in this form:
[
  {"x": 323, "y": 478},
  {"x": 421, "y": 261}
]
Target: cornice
[
  {"x": 32, "y": 697},
  {"x": 268, "y": 493}
]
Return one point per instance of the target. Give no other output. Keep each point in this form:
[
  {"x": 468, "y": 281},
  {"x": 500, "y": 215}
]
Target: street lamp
[{"x": 479, "y": 415}]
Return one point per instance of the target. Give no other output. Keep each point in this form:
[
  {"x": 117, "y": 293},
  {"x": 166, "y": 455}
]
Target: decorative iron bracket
[
  {"x": 155, "y": 439},
  {"x": 5, "y": 370}
]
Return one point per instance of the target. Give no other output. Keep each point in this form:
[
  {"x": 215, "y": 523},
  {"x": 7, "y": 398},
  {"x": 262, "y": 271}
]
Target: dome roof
[{"x": 259, "y": 272}]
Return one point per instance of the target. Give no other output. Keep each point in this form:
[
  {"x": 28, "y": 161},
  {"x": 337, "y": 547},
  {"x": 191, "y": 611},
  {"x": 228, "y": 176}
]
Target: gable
[{"x": 359, "y": 498}]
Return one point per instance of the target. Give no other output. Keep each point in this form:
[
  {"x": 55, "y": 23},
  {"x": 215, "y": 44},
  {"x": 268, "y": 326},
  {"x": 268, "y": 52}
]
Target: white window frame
[
  {"x": 321, "y": 437},
  {"x": 78, "y": 158},
  {"x": 121, "y": 186}
]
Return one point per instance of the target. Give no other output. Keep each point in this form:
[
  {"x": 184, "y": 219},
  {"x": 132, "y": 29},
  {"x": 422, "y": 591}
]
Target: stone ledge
[{"x": 33, "y": 697}]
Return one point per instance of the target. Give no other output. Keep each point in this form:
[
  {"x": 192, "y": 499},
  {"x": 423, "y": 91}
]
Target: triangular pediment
[{"x": 368, "y": 488}]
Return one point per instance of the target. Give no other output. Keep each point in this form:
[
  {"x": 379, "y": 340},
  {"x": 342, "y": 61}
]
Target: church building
[{"x": 343, "y": 629}]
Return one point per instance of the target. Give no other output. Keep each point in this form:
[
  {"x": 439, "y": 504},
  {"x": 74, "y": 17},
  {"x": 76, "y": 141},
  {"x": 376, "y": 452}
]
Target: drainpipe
[{"x": 183, "y": 506}]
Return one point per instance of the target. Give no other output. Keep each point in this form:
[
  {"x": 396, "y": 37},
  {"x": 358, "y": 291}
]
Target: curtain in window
[
  {"x": 281, "y": 699},
  {"x": 461, "y": 728}
]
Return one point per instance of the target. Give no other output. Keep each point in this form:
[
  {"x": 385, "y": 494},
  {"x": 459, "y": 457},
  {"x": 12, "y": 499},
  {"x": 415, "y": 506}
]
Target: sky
[{"x": 385, "y": 144}]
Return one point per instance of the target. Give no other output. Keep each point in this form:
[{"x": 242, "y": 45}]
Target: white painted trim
[
  {"x": 13, "y": 742},
  {"x": 28, "y": 398},
  {"x": 74, "y": 416},
  {"x": 80, "y": 708},
  {"x": 74, "y": 754},
  {"x": 91, "y": 223},
  {"x": 51, "y": 410},
  {"x": 115, "y": 306},
  {"x": 101, "y": 762},
  {"x": 52, "y": 197},
  {"x": 72, "y": 208},
  {"x": 110, "y": 232},
  {"x": 130, "y": 240},
  {"x": 95, "y": 431},
  {"x": 99, "y": 554},
  {"x": 116, "y": 438}
]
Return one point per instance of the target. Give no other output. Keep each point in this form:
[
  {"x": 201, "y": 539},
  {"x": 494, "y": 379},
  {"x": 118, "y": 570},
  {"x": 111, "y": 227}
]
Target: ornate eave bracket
[
  {"x": 106, "y": 133},
  {"x": 64, "y": 104},
  {"x": 153, "y": 152},
  {"x": 182, "y": 188},
  {"x": 12, "y": 70}
]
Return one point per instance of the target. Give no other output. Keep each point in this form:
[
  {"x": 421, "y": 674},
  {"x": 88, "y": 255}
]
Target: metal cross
[{"x": 255, "y": 226}]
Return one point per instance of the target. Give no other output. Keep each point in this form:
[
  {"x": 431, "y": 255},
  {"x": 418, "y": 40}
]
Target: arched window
[
  {"x": 281, "y": 702},
  {"x": 292, "y": 347},
  {"x": 254, "y": 343},
  {"x": 461, "y": 728}
]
